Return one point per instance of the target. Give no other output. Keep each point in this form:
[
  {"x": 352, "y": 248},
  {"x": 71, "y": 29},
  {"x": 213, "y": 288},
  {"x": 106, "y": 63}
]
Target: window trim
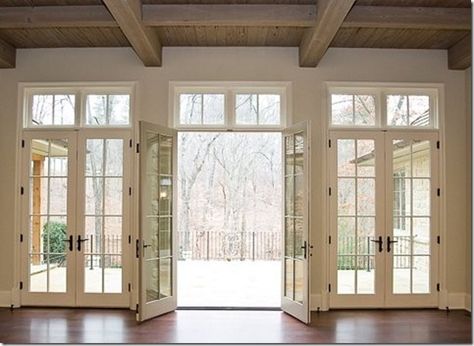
[
  {"x": 230, "y": 90},
  {"x": 80, "y": 90},
  {"x": 381, "y": 91}
]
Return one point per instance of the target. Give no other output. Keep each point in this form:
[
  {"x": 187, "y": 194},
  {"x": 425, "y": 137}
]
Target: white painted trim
[{"x": 5, "y": 298}]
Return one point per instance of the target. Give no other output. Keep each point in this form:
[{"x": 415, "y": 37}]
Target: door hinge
[
  {"x": 22, "y": 143},
  {"x": 130, "y": 191},
  {"x": 136, "y": 308},
  {"x": 130, "y": 143},
  {"x": 329, "y": 143},
  {"x": 21, "y": 238},
  {"x": 438, "y": 239},
  {"x": 21, "y": 285},
  {"x": 330, "y": 191},
  {"x": 438, "y": 192},
  {"x": 437, "y": 145},
  {"x": 129, "y": 287},
  {"x": 437, "y": 287},
  {"x": 138, "y": 148},
  {"x": 22, "y": 190},
  {"x": 129, "y": 239},
  {"x": 329, "y": 287},
  {"x": 329, "y": 239},
  {"x": 137, "y": 249}
]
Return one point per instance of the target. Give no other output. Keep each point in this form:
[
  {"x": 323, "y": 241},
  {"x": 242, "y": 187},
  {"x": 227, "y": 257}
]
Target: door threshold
[{"x": 232, "y": 308}]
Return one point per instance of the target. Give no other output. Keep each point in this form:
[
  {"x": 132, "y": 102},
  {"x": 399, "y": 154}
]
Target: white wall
[{"x": 247, "y": 64}]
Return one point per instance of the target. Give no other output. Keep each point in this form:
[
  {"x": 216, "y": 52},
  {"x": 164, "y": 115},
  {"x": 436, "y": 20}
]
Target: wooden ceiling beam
[
  {"x": 7, "y": 55},
  {"x": 459, "y": 55},
  {"x": 145, "y": 42},
  {"x": 316, "y": 40},
  {"x": 408, "y": 18}
]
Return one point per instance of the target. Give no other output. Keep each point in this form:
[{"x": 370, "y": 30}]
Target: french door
[
  {"x": 157, "y": 244},
  {"x": 75, "y": 218},
  {"x": 383, "y": 219}
]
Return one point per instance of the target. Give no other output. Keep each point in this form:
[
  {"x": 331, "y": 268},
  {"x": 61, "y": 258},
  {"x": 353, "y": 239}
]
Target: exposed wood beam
[
  {"x": 145, "y": 42},
  {"x": 459, "y": 55},
  {"x": 239, "y": 15},
  {"x": 229, "y": 15},
  {"x": 409, "y": 18},
  {"x": 316, "y": 40},
  {"x": 7, "y": 55}
]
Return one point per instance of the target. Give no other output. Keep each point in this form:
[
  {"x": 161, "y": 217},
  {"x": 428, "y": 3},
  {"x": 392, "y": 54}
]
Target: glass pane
[
  {"x": 38, "y": 273},
  {"x": 401, "y": 274},
  {"x": 421, "y": 159},
  {"x": 346, "y": 157},
  {"x": 94, "y": 157},
  {"x": 346, "y": 196},
  {"x": 94, "y": 194},
  {"x": 152, "y": 142},
  {"x": 165, "y": 277},
  {"x": 342, "y": 109},
  {"x": 401, "y": 197},
  {"x": 42, "y": 110},
  {"x": 366, "y": 158},
  {"x": 366, "y": 275},
  {"x": 299, "y": 195},
  {"x": 269, "y": 109},
  {"x": 346, "y": 236},
  {"x": 165, "y": 236},
  {"x": 366, "y": 196},
  {"x": 58, "y": 164},
  {"x": 397, "y": 110},
  {"x": 166, "y": 154},
  {"x": 401, "y": 233},
  {"x": 57, "y": 273},
  {"x": 299, "y": 243},
  {"x": 402, "y": 158},
  {"x": 119, "y": 109},
  {"x": 346, "y": 275},
  {"x": 299, "y": 281},
  {"x": 112, "y": 274},
  {"x": 289, "y": 155},
  {"x": 289, "y": 237},
  {"x": 113, "y": 196},
  {"x": 152, "y": 280},
  {"x": 421, "y": 197},
  {"x": 214, "y": 109},
  {"x": 419, "y": 109},
  {"x": 93, "y": 232},
  {"x": 114, "y": 155},
  {"x": 289, "y": 195},
  {"x": 113, "y": 235},
  {"x": 93, "y": 273},
  {"x": 366, "y": 233},
  {"x": 299, "y": 153},
  {"x": 58, "y": 196},
  {"x": 289, "y": 292},
  {"x": 421, "y": 236},
  {"x": 96, "y": 110},
  {"x": 53, "y": 235},
  {"x": 190, "y": 109},
  {"x": 152, "y": 238},
  {"x": 246, "y": 109},
  {"x": 421, "y": 274},
  {"x": 64, "y": 112},
  {"x": 364, "y": 111},
  {"x": 166, "y": 196}
]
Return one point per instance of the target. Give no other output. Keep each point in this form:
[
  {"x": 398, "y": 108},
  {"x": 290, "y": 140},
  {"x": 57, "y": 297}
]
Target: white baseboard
[
  {"x": 5, "y": 298},
  {"x": 457, "y": 301},
  {"x": 318, "y": 303},
  {"x": 467, "y": 304}
]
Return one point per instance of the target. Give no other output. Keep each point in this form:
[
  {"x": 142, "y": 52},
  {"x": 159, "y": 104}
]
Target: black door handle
[
  {"x": 304, "y": 247},
  {"x": 80, "y": 241},
  {"x": 389, "y": 243},
  {"x": 70, "y": 240},
  {"x": 380, "y": 242}
]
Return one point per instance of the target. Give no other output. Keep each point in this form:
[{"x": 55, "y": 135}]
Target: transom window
[
  {"x": 381, "y": 107},
  {"x": 77, "y": 106},
  {"x": 229, "y": 105}
]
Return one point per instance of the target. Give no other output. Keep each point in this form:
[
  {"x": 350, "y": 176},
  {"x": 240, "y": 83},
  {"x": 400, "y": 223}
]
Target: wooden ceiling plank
[
  {"x": 229, "y": 15},
  {"x": 316, "y": 40},
  {"x": 145, "y": 41},
  {"x": 459, "y": 55},
  {"x": 7, "y": 55},
  {"x": 55, "y": 16},
  {"x": 408, "y": 18}
]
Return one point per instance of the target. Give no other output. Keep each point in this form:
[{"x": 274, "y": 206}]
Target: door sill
[{"x": 232, "y": 308}]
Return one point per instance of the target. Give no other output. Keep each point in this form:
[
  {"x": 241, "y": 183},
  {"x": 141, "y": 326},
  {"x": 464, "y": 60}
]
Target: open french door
[
  {"x": 157, "y": 243},
  {"x": 296, "y": 242}
]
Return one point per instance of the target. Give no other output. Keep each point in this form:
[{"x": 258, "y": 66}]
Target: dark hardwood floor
[{"x": 41, "y": 325}]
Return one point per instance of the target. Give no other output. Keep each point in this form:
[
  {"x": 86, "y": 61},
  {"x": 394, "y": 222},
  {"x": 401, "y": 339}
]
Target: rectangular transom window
[
  {"x": 383, "y": 107},
  {"x": 77, "y": 105},
  {"x": 229, "y": 105}
]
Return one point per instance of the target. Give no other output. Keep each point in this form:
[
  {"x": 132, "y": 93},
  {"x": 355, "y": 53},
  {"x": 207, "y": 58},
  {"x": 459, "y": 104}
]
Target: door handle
[
  {"x": 70, "y": 240},
  {"x": 304, "y": 247},
  {"x": 80, "y": 241},
  {"x": 380, "y": 242},
  {"x": 389, "y": 243}
]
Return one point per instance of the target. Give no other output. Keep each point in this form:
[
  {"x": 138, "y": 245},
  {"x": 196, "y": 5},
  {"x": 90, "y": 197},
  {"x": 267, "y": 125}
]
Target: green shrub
[{"x": 56, "y": 232}]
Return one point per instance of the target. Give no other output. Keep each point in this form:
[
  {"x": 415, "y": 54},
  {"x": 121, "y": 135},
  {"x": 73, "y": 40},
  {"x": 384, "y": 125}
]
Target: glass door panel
[{"x": 157, "y": 236}]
